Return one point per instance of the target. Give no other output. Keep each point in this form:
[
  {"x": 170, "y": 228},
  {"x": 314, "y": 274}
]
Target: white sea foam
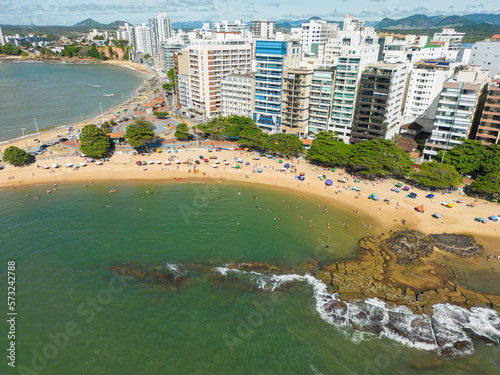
[
  {"x": 446, "y": 330},
  {"x": 173, "y": 267}
]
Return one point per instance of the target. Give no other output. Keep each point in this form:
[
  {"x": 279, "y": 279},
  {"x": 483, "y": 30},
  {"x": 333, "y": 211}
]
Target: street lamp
[
  {"x": 36, "y": 125},
  {"x": 25, "y": 141},
  {"x": 81, "y": 116},
  {"x": 102, "y": 115}
]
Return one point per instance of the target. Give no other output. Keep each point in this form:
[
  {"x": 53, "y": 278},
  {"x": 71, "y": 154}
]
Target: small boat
[
  {"x": 112, "y": 191},
  {"x": 109, "y": 95}
]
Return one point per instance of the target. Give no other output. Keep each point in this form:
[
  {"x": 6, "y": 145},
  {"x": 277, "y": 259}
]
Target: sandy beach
[{"x": 381, "y": 216}]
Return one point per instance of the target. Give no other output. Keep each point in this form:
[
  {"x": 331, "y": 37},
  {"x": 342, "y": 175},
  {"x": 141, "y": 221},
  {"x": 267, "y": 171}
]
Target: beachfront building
[
  {"x": 273, "y": 57},
  {"x": 161, "y": 30},
  {"x": 349, "y": 66},
  {"x": 168, "y": 49},
  {"x": 142, "y": 39},
  {"x": 321, "y": 99},
  {"x": 451, "y": 41},
  {"x": 263, "y": 29},
  {"x": 486, "y": 54},
  {"x": 209, "y": 63},
  {"x": 181, "y": 74},
  {"x": 2, "y": 40},
  {"x": 237, "y": 95},
  {"x": 459, "y": 110},
  {"x": 425, "y": 84},
  {"x": 378, "y": 111},
  {"x": 229, "y": 27},
  {"x": 489, "y": 127},
  {"x": 295, "y": 101},
  {"x": 125, "y": 32},
  {"x": 315, "y": 34}
]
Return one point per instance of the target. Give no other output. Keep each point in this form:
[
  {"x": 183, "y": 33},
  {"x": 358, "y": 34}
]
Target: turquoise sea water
[
  {"x": 57, "y": 93},
  {"x": 76, "y": 317}
]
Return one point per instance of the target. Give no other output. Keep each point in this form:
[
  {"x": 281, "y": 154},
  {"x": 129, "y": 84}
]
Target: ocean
[
  {"x": 74, "y": 316},
  {"x": 59, "y": 93}
]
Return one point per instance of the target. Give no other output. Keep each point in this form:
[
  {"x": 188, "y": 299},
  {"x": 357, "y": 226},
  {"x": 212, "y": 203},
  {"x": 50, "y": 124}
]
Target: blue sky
[{"x": 68, "y": 12}]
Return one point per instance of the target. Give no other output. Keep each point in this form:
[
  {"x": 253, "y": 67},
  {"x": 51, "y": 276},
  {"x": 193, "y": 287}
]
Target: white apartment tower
[
  {"x": 487, "y": 55},
  {"x": 2, "y": 40},
  {"x": 451, "y": 38},
  {"x": 161, "y": 30},
  {"x": 263, "y": 29},
  {"x": 142, "y": 39},
  {"x": 315, "y": 34},
  {"x": 425, "y": 84},
  {"x": 321, "y": 99},
  {"x": 211, "y": 62},
  {"x": 237, "y": 95},
  {"x": 459, "y": 110}
]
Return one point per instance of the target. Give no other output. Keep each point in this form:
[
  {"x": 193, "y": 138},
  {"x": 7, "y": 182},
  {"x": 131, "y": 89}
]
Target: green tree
[
  {"x": 328, "y": 151},
  {"x": 437, "y": 175},
  {"x": 147, "y": 56},
  {"x": 287, "y": 145},
  {"x": 466, "y": 157},
  {"x": 488, "y": 184},
  {"x": 182, "y": 132},
  {"x": 94, "y": 52},
  {"x": 67, "y": 52},
  {"x": 94, "y": 142},
  {"x": 379, "y": 157},
  {"x": 139, "y": 133},
  {"x": 491, "y": 162},
  {"x": 16, "y": 156},
  {"x": 10, "y": 49},
  {"x": 125, "y": 56}
]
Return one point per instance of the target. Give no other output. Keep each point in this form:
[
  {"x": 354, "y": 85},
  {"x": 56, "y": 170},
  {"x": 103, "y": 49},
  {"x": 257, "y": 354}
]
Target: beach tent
[
  {"x": 259, "y": 170},
  {"x": 493, "y": 218},
  {"x": 328, "y": 182},
  {"x": 399, "y": 184},
  {"x": 429, "y": 196},
  {"x": 287, "y": 165},
  {"x": 412, "y": 195},
  {"x": 406, "y": 188},
  {"x": 419, "y": 209}
]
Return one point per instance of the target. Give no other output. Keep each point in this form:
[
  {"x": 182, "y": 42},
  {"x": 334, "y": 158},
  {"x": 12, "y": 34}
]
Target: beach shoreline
[{"x": 384, "y": 217}]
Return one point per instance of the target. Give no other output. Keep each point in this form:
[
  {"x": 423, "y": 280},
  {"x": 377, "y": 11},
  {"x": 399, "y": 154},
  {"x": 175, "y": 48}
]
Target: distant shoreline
[{"x": 47, "y": 131}]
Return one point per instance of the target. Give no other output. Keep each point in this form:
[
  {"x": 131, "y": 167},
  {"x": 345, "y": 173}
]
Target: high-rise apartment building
[
  {"x": 181, "y": 74},
  {"x": 272, "y": 57},
  {"x": 168, "y": 49},
  {"x": 2, "y": 40},
  {"x": 237, "y": 95},
  {"x": 321, "y": 99},
  {"x": 459, "y": 110},
  {"x": 229, "y": 27},
  {"x": 486, "y": 54},
  {"x": 142, "y": 39},
  {"x": 295, "y": 101},
  {"x": 426, "y": 82},
  {"x": 315, "y": 34},
  {"x": 489, "y": 127},
  {"x": 379, "y": 104},
  {"x": 349, "y": 67},
  {"x": 263, "y": 29},
  {"x": 209, "y": 63},
  {"x": 161, "y": 30},
  {"x": 451, "y": 38}
]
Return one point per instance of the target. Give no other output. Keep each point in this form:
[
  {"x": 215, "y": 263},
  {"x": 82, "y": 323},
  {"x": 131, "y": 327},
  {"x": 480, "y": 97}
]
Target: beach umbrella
[
  {"x": 98, "y": 162},
  {"x": 158, "y": 162},
  {"x": 214, "y": 165},
  {"x": 177, "y": 162},
  {"x": 75, "y": 166},
  {"x": 150, "y": 162},
  {"x": 333, "y": 169},
  {"x": 429, "y": 196},
  {"x": 55, "y": 165},
  {"x": 450, "y": 205},
  {"x": 69, "y": 165},
  {"x": 419, "y": 209},
  {"x": 280, "y": 161},
  {"x": 226, "y": 163},
  {"x": 82, "y": 164},
  {"x": 259, "y": 170},
  {"x": 494, "y": 218},
  {"x": 287, "y": 165},
  {"x": 167, "y": 162},
  {"x": 217, "y": 162},
  {"x": 138, "y": 163},
  {"x": 437, "y": 216},
  {"x": 328, "y": 182},
  {"x": 399, "y": 184}
]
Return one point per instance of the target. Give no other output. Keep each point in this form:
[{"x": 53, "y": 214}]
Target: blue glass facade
[{"x": 270, "y": 56}]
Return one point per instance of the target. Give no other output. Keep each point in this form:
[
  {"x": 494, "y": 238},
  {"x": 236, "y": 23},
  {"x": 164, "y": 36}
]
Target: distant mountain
[
  {"x": 90, "y": 23},
  {"x": 489, "y": 18},
  {"x": 421, "y": 21},
  {"x": 418, "y": 21},
  {"x": 114, "y": 25},
  {"x": 189, "y": 24},
  {"x": 455, "y": 21}
]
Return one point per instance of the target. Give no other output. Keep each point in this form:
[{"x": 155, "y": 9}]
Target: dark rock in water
[
  {"x": 136, "y": 270},
  {"x": 415, "y": 328},
  {"x": 480, "y": 338},
  {"x": 253, "y": 267},
  {"x": 179, "y": 279},
  {"x": 160, "y": 276},
  {"x": 457, "y": 244},
  {"x": 337, "y": 311},
  {"x": 367, "y": 318},
  {"x": 409, "y": 246}
]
